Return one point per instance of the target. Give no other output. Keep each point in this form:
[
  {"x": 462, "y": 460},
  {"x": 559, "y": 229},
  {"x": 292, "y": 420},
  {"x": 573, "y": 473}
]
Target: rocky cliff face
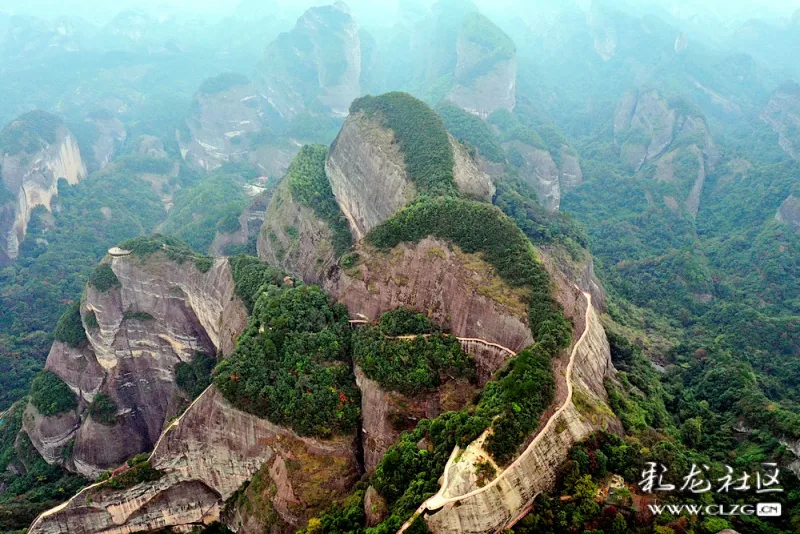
[
  {"x": 782, "y": 113},
  {"x": 295, "y": 238},
  {"x": 367, "y": 173},
  {"x": 206, "y": 456},
  {"x": 220, "y": 126},
  {"x": 550, "y": 180},
  {"x": 110, "y": 135},
  {"x": 368, "y": 176},
  {"x": 453, "y": 288},
  {"x": 789, "y": 212},
  {"x": 316, "y": 66},
  {"x": 486, "y": 68},
  {"x": 162, "y": 313},
  {"x": 674, "y": 138},
  {"x": 387, "y": 414},
  {"x": 465, "y": 506},
  {"x": 31, "y": 167},
  {"x": 250, "y": 222}
]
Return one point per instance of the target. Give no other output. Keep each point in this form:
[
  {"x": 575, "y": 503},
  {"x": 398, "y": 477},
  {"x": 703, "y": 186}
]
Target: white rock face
[
  {"x": 132, "y": 358},
  {"x": 33, "y": 180},
  {"x": 367, "y": 173}
]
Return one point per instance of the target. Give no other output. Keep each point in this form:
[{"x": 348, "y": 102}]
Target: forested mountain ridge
[{"x": 655, "y": 170}]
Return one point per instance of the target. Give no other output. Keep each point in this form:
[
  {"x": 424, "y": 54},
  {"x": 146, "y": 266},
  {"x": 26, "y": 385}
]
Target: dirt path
[
  {"x": 437, "y": 501},
  {"x": 63, "y": 505}
]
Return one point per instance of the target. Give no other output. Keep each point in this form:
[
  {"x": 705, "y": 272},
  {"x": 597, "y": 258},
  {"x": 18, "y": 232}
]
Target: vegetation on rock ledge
[
  {"x": 50, "y": 395},
  {"x": 310, "y": 186},
  {"x": 291, "y": 364},
  {"x": 421, "y": 135}
]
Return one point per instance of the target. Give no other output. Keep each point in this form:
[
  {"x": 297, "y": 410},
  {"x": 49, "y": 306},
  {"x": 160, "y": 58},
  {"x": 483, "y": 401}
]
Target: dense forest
[{"x": 649, "y": 152}]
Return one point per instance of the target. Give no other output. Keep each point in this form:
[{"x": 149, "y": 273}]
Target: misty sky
[{"x": 100, "y": 11}]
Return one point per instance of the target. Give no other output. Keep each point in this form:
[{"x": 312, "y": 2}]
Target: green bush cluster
[
  {"x": 50, "y": 395},
  {"x": 469, "y": 128},
  {"x": 137, "y": 316},
  {"x": 251, "y": 275},
  {"x": 291, "y": 364},
  {"x": 212, "y": 205},
  {"x": 404, "y": 321},
  {"x": 408, "y": 473},
  {"x": 410, "y": 366},
  {"x": 310, "y": 186},
  {"x": 421, "y": 135},
  {"x": 516, "y": 400},
  {"x": 29, "y": 132},
  {"x": 69, "y": 328},
  {"x": 140, "y": 164},
  {"x": 175, "y": 249},
  {"x": 139, "y": 470},
  {"x": 103, "y": 278},
  {"x": 195, "y": 376},
  {"x": 103, "y": 409}
]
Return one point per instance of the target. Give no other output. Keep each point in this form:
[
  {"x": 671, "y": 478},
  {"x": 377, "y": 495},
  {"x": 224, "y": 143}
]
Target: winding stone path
[{"x": 437, "y": 501}]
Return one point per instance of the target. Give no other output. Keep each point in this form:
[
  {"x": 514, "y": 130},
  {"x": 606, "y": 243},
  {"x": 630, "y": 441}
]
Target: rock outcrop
[
  {"x": 387, "y": 414},
  {"x": 789, "y": 212},
  {"x": 219, "y": 123},
  {"x": 463, "y": 505},
  {"x": 109, "y": 136},
  {"x": 486, "y": 68},
  {"x": 468, "y": 175},
  {"x": 782, "y": 113},
  {"x": 204, "y": 457},
  {"x": 453, "y": 288},
  {"x": 295, "y": 238},
  {"x": 313, "y": 70},
  {"x": 161, "y": 313},
  {"x": 316, "y": 66},
  {"x": 367, "y": 172},
  {"x": 645, "y": 125},
  {"x": 673, "y": 137},
  {"x": 250, "y": 222},
  {"x": 36, "y": 150}
]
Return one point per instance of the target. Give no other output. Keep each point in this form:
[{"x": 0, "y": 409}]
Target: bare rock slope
[
  {"x": 36, "y": 150},
  {"x": 161, "y": 313},
  {"x": 204, "y": 458}
]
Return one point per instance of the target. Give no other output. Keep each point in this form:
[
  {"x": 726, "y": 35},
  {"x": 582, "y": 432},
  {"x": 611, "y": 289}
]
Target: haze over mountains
[{"x": 441, "y": 267}]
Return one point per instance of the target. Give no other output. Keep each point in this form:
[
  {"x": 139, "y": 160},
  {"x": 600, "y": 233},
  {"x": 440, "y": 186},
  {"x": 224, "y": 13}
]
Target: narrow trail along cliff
[
  {"x": 63, "y": 505},
  {"x": 439, "y": 500}
]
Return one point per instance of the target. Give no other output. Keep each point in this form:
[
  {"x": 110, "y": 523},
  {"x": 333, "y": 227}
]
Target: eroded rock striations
[
  {"x": 782, "y": 113},
  {"x": 204, "y": 458},
  {"x": 295, "y": 238},
  {"x": 159, "y": 314},
  {"x": 36, "y": 150},
  {"x": 673, "y": 137}
]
